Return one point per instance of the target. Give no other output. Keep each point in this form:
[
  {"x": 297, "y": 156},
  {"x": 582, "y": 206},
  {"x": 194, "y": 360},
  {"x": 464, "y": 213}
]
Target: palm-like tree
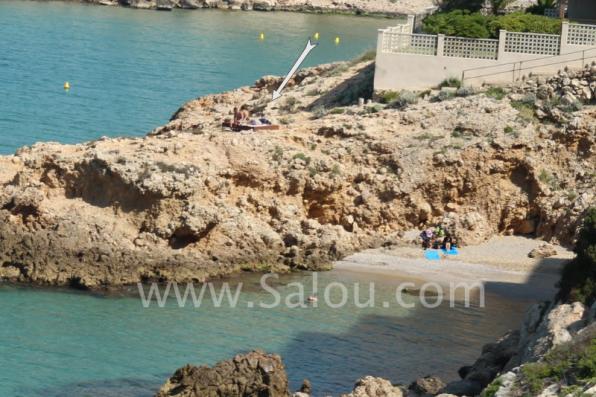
[
  {"x": 542, "y": 5},
  {"x": 497, "y": 6}
]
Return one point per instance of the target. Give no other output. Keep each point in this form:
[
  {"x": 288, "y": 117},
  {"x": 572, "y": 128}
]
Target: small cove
[{"x": 68, "y": 343}]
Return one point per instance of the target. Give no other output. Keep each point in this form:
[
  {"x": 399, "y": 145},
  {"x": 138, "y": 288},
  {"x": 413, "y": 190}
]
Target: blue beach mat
[
  {"x": 432, "y": 255},
  {"x": 452, "y": 251}
]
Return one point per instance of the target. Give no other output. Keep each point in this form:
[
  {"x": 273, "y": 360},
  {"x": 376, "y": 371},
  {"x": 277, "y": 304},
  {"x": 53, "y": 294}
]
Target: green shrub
[
  {"x": 303, "y": 157},
  {"x": 424, "y": 93},
  {"x": 525, "y": 108},
  {"x": 426, "y": 136},
  {"x": 369, "y": 55},
  {"x": 511, "y": 131},
  {"x": 578, "y": 280},
  {"x": 443, "y": 96},
  {"x": 388, "y": 96},
  {"x": 335, "y": 170},
  {"x": 522, "y": 22},
  {"x": 457, "y": 23},
  {"x": 337, "y": 111},
  {"x": 285, "y": 120},
  {"x": 548, "y": 179},
  {"x": 319, "y": 112},
  {"x": 572, "y": 107},
  {"x": 403, "y": 99},
  {"x": 290, "y": 105},
  {"x": 465, "y": 91},
  {"x": 498, "y": 6},
  {"x": 278, "y": 153},
  {"x": 497, "y": 93},
  {"x": 469, "y": 5},
  {"x": 492, "y": 388},
  {"x": 373, "y": 109},
  {"x": 465, "y": 24},
  {"x": 573, "y": 362},
  {"x": 337, "y": 70},
  {"x": 450, "y": 82}
]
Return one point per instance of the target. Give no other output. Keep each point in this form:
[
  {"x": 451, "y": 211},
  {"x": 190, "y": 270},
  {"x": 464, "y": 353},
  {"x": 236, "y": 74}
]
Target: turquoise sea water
[
  {"x": 130, "y": 70},
  {"x": 64, "y": 343}
]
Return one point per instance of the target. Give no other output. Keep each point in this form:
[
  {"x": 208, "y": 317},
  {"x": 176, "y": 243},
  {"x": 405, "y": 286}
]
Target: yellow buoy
[
  {"x": 67, "y": 86},
  {"x": 337, "y": 40},
  {"x": 316, "y": 36},
  {"x": 261, "y": 36}
]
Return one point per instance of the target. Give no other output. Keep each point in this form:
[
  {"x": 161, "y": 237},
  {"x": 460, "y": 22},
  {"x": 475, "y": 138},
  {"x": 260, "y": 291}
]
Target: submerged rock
[{"x": 429, "y": 385}]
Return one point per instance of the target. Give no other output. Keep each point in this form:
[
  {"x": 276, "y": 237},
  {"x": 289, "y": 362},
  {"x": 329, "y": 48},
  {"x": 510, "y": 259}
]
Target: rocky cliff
[
  {"x": 192, "y": 201},
  {"x": 365, "y": 7}
]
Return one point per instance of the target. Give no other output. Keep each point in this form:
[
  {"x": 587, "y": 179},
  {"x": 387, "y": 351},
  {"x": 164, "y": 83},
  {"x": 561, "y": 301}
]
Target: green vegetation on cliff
[
  {"x": 573, "y": 364},
  {"x": 578, "y": 281},
  {"x": 464, "y": 23}
]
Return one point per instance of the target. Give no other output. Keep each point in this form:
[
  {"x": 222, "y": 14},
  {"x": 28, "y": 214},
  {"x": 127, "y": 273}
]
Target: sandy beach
[{"x": 501, "y": 264}]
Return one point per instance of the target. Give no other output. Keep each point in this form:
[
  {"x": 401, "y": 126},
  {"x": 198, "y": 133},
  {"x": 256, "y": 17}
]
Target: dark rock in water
[
  {"x": 464, "y": 371},
  {"x": 306, "y": 387},
  {"x": 495, "y": 357},
  {"x": 483, "y": 376},
  {"x": 429, "y": 385},
  {"x": 255, "y": 374},
  {"x": 463, "y": 388}
]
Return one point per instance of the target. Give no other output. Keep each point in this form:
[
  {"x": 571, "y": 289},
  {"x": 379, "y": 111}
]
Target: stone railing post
[
  {"x": 411, "y": 22},
  {"x": 380, "y": 38},
  {"x": 564, "y": 38},
  {"x": 440, "y": 45},
  {"x": 502, "y": 40}
]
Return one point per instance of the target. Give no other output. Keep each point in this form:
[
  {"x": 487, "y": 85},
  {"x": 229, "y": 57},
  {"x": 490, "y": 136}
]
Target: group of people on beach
[{"x": 438, "y": 238}]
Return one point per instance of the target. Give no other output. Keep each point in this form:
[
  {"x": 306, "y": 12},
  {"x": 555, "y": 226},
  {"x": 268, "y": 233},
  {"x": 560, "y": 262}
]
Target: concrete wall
[
  {"x": 395, "y": 71},
  {"x": 420, "y": 72},
  {"x": 582, "y": 10}
]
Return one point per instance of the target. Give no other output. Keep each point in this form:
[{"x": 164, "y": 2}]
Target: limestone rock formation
[
  {"x": 254, "y": 374},
  {"x": 543, "y": 251},
  {"x": 370, "y": 386},
  {"x": 191, "y": 202},
  {"x": 376, "y": 7},
  {"x": 555, "y": 328}
]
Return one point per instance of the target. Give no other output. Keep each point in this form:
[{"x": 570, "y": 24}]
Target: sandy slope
[{"x": 498, "y": 263}]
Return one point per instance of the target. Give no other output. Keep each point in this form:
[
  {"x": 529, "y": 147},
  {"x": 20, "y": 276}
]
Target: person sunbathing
[
  {"x": 237, "y": 116},
  {"x": 245, "y": 114}
]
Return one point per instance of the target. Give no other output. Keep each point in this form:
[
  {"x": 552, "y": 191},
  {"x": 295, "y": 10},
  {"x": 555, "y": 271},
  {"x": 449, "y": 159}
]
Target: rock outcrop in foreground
[
  {"x": 254, "y": 374},
  {"x": 192, "y": 201}
]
